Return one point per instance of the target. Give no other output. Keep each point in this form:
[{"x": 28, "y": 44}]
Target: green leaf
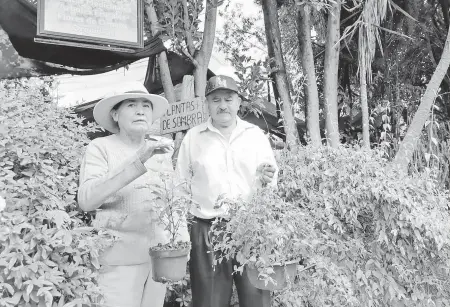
[
  {"x": 14, "y": 300},
  {"x": 29, "y": 289},
  {"x": 8, "y": 287}
]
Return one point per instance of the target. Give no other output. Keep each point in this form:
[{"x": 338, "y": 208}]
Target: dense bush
[
  {"x": 48, "y": 253},
  {"x": 374, "y": 236},
  {"x": 263, "y": 232},
  {"x": 377, "y": 236},
  {"x": 381, "y": 238}
]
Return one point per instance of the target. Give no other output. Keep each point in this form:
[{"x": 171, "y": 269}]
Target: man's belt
[{"x": 209, "y": 221}]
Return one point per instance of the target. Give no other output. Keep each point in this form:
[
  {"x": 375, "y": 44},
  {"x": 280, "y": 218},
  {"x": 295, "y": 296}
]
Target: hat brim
[{"x": 102, "y": 110}]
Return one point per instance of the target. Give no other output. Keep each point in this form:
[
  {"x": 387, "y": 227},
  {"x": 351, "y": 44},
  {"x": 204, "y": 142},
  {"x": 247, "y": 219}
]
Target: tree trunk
[
  {"x": 307, "y": 56},
  {"x": 275, "y": 53},
  {"x": 276, "y": 95},
  {"x": 413, "y": 134},
  {"x": 445, "y": 5},
  {"x": 200, "y": 57},
  {"x": 374, "y": 12},
  {"x": 364, "y": 105},
  {"x": 331, "y": 74},
  {"x": 166, "y": 78},
  {"x": 412, "y": 8},
  {"x": 200, "y": 76},
  {"x": 203, "y": 55}
]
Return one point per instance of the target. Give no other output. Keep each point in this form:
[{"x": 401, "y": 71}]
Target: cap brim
[
  {"x": 221, "y": 88},
  {"x": 226, "y": 88},
  {"x": 102, "y": 110}
]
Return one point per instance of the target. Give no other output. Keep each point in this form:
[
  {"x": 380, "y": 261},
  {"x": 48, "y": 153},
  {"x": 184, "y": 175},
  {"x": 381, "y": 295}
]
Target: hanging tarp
[
  {"x": 20, "y": 56},
  {"x": 179, "y": 66}
]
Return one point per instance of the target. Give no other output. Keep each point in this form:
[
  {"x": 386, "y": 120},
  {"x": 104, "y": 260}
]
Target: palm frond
[{"x": 374, "y": 12}]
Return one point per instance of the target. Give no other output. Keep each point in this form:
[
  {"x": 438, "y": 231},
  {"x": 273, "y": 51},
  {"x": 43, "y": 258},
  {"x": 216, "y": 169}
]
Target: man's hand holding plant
[{"x": 265, "y": 172}]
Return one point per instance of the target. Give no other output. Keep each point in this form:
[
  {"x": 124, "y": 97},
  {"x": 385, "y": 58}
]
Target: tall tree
[
  {"x": 202, "y": 55},
  {"x": 307, "y": 59},
  {"x": 409, "y": 143},
  {"x": 180, "y": 20},
  {"x": 332, "y": 47},
  {"x": 373, "y": 13},
  {"x": 166, "y": 78},
  {"x": 278, "y": 68},
  {"x": 364, "y": 104},
  {"x": 174, "y": 18}
]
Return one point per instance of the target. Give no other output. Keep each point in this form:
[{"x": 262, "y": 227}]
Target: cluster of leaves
[
  {"x": 253, "y": 80},
  {"x": 433, "y": 158},
  {"x": 381, "y": 238},
  {"x": 432, "y": 154},
  {"x": 172, "y": 206},
  {"x": 242, "y": 42},
  {"x": 242, "y": 33},
  {"x": 368, "y": 234},
  {"x": 49, "y": 255},
  {"x": 175, "y": 24},
  {"x": 180, "y": 291},
  {"x": 262, "y": 232}
]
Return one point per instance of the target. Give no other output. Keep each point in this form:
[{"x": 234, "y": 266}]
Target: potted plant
[
  {"x": 266, "y": 235},
  {"x": 172, "y": 206}
]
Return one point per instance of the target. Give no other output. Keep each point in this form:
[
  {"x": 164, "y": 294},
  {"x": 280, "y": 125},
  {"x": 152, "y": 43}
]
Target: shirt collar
[{"x": 241, "y": 125}]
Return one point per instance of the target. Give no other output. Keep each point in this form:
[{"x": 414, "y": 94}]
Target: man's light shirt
[{"x": 217, "y": 167}]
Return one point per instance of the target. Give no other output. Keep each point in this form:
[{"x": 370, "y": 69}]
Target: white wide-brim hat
[{"x": 102, "y": 110}]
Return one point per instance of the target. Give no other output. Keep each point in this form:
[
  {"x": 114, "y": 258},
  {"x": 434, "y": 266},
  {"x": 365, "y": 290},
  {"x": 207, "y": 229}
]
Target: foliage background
[
  {"x": 381, "y": 238},
  {"x": 48, "y": 251},
  {"x": 411, "y": 41}
]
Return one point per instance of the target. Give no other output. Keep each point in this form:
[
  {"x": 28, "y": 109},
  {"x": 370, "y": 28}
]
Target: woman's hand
[{"x": 151, "y": 148}]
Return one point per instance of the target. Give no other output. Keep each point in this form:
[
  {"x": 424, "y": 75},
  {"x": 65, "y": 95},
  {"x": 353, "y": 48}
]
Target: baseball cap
[{"x": 221, "y": 82}]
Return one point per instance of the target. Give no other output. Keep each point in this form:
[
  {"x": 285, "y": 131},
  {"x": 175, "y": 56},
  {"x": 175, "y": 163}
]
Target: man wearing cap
[
  {"x": 224, "y": 156},
  {"x": 113, "y": 173}
]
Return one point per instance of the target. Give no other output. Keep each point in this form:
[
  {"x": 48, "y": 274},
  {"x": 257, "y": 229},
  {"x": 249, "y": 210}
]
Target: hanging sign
[
  {"x": 183, "y": 115},
  {"x": 101, "y": 24}
]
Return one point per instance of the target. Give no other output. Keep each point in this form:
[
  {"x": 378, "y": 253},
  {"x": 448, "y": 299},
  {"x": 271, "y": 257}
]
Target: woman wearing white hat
[{"x": 113, "y": 172}]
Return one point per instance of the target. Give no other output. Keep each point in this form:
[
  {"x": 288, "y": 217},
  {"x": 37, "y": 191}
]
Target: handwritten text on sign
[
  {"x": 109, "y": 20},
  {"x": 183, "y": 115}
]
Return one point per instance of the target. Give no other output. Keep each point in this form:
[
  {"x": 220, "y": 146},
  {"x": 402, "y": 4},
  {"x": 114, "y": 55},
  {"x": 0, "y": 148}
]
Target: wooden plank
[
  {"x": 187, "y": 112},
  {"x": 183, "y": 115}
]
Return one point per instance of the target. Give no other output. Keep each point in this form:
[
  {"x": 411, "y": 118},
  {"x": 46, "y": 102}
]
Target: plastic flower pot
[
  {"x": 169, "y": 265},
  {"x": 281, "y": 275}
]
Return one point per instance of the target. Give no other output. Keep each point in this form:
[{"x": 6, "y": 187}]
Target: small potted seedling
[
  {"x": 172, "y": 206},
  {"x": 266, "y": 235}
]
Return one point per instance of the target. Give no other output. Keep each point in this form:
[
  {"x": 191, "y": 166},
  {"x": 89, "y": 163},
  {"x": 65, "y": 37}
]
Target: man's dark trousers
[{"x": 212, "y": 286}]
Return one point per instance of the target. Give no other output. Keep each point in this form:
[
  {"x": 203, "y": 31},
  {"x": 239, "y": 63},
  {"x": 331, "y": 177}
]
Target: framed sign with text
[{"x": 102, "y": 23}]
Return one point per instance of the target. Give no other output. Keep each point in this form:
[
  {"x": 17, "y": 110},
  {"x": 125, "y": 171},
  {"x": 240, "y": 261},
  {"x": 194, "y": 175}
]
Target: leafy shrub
[
  {"x": 381, "y": 238},
  {"x": 180, "y": 293},
  {"x": 262, "y": 232},
  {"x": 433, "y": 157},
  {"x": 48, "y": 253},
  {"x": 171, "y": 207}
]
